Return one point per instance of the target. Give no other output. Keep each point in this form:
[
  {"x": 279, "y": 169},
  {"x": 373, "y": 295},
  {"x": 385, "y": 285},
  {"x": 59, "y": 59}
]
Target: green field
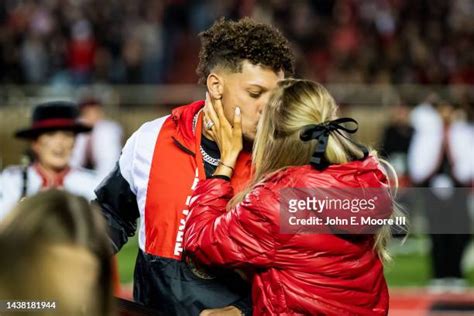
[{"x": 406, "y": 269}]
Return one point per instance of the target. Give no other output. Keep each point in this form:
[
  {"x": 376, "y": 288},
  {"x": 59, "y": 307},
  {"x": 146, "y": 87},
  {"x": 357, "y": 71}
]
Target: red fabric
[
  {"x": 115, "y": 277},
  {"x": 50, "y": 180},
  {"x": 54, "y": 123},
  {"x": 175, "y": 170},
  {"x": 299, "y": 274},
  {"x": 82, "y": 54}
]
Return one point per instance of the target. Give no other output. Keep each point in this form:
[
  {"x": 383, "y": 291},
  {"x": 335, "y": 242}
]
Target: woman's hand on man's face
[{"x": 228, "y": 137}]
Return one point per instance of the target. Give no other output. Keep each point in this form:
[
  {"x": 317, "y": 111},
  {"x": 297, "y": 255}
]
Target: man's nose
[
  {"x": 259, "y": 111},
  {"x": 262, "y": 104}
]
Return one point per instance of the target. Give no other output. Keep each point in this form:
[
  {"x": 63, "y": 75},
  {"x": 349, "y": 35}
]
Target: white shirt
[
  {"x": 77, "y": 181},
  {"x": 427, "y": 143}
]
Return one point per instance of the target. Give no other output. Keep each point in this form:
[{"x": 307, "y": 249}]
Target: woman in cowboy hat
[{"x": 51, "y": 134}]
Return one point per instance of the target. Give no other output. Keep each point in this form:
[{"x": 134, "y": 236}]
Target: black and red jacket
[{"x": 154, "y": 180}]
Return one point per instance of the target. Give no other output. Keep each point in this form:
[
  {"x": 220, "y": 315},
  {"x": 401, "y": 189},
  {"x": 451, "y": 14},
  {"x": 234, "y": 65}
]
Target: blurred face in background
[
  {"x": 53, "y": 149},
  {"x": 91, "y": 114},
  {"x": 400, "y": 114},
  {"x": 446, "y": 111},
  {"x": 249, "y": 89}
]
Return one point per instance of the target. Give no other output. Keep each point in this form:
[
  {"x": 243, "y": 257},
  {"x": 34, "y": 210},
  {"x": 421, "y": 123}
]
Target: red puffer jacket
[{"x": 296, "y": 274}]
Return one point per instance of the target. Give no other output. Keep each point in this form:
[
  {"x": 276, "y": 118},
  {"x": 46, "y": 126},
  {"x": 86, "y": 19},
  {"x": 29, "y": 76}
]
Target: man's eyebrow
[{"x": 255, "y": 85}]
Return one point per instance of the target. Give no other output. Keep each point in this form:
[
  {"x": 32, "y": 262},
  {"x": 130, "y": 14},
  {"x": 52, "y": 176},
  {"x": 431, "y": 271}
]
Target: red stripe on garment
[
  {"x": 171, "y": 177},
  {"x": 54, "y": 123}
]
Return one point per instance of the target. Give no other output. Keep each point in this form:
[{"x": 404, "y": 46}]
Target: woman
[
  {"x": 299, "y": 144},
  {"x": 53, "y": 129}
]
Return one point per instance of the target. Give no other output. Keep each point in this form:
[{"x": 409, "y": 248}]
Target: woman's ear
[{"x": 215, "y": 86}]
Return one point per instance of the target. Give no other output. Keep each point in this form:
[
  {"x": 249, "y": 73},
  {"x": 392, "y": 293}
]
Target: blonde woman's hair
[{"x": 293, "y": 105}]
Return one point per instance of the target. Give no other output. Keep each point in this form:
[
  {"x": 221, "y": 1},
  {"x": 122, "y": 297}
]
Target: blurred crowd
[{"x": 154, "y": 41}]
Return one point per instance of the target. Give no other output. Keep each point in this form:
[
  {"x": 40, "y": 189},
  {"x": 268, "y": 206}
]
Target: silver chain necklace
[
  {"x": 210, "y": 160},
  {"x": 205, "y": 156}
]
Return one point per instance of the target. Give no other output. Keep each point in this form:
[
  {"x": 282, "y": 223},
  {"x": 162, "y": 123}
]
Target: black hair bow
[{"x": 321, "y": 132}]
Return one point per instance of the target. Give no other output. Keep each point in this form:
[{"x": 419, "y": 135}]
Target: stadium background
[{"x": 139, "y": 58}]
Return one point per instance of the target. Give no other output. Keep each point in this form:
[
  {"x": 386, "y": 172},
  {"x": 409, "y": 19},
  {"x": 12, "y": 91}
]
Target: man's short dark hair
[{"x": 227, "y": 43}]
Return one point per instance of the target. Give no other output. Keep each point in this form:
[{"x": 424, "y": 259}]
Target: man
[
  {"x": 240, "y": 63},
  {"x": 100, "y": 149},
  {"x": 52, "y": 133}
]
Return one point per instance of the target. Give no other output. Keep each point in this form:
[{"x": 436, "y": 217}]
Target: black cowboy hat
[{"x": 52, "y": 116}]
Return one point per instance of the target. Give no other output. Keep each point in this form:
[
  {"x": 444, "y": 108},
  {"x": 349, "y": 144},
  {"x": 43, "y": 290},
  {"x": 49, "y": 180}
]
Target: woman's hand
[{"x": 228, "y": 137}]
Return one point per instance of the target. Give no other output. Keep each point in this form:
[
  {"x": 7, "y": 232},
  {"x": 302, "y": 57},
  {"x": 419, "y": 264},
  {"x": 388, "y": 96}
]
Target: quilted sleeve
[{"x": 244, "y": 235}]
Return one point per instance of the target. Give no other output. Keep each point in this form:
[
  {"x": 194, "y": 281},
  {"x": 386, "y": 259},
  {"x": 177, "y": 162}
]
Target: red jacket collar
[
  {"x": 188, "y": 138},
  {"x": 183, "y": 117}
]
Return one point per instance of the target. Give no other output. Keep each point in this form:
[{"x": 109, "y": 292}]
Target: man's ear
[{"x": 215, "y": 86}]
